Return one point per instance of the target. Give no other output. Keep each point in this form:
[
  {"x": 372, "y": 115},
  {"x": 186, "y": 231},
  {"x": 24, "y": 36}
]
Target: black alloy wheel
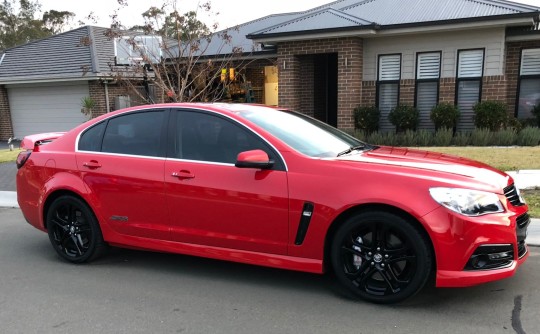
[
  {"x": 73, "y": 230},
  {"x": 380, "y": 257}
]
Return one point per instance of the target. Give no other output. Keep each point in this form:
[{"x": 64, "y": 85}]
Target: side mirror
[{"x": 254, "y": 159}]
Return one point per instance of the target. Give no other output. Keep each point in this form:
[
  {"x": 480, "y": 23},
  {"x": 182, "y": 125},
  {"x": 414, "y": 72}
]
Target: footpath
[{"x": 524, "y": 179}]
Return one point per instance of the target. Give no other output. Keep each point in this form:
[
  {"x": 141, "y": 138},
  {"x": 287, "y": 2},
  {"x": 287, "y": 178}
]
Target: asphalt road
[{"x": 141, "y": 292}]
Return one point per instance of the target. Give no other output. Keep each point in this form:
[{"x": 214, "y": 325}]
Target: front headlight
[{"x": 467, "y": 202}]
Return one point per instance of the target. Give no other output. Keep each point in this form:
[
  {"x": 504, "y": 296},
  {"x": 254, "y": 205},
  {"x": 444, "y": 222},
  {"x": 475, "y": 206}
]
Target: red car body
[{"x": 253, "y": 216}]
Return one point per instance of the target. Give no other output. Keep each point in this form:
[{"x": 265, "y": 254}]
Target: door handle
[
  {"x": 92, "y": 164},
  {"x": 183, "y": 174}
]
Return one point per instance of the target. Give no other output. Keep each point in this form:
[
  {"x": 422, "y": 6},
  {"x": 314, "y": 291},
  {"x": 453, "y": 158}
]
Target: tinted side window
[
  {"x": 91, "y": 139},
  {"x": 134, "y": 134},
  {"x": 206, "y": 137}
]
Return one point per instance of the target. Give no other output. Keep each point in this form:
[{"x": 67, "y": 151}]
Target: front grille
[
  {"x": 522, "y": 222},
  {"x": 512, "y": 195}
]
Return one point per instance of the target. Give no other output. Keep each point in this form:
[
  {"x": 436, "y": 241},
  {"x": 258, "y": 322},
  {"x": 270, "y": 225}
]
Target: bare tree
[{"x": 175, "y": 56}]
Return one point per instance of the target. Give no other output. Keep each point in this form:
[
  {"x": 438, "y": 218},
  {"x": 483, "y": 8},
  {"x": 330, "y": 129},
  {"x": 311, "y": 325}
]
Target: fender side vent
[{"x": 305, "y": 218}]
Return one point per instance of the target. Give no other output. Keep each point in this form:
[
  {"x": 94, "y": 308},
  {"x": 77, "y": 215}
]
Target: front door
[{"x": 212, "y": 202}]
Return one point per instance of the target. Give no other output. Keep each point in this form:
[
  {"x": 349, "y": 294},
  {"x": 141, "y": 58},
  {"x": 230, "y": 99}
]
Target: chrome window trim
[{"x": 172, "y": 109}]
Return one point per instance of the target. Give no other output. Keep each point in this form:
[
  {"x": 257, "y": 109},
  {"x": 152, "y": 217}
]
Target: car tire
[
  {"x": 73, "y": 230},
  {"x": 380, "y": 257}
]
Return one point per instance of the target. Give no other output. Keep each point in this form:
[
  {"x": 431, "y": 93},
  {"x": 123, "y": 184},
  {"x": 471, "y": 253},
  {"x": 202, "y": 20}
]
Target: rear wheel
[
  {"x": 73, "y": 230},
  {"x": 380, "y": 257}
]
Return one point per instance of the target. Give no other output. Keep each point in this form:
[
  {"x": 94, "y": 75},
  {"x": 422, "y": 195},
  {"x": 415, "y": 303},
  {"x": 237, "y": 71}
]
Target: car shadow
[{"x": 143, "y": 262}]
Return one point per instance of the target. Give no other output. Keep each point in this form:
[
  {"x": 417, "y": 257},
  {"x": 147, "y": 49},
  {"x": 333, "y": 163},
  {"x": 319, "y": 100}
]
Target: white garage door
[{"x": 37, "y": 109}]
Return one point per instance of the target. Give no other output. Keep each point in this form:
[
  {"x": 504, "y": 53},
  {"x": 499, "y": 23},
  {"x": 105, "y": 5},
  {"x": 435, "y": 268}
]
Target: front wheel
[
  {"x": 74, "y": 230},
  {"x": 380, "y": 257}
]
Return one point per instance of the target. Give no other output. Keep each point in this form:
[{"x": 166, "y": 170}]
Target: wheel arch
[
  {"x": 372, "y": 207},
  {"x": 57, "y": 194}
]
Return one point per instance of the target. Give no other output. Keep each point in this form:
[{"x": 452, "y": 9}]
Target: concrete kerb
[{"x": 8, "y": 199}]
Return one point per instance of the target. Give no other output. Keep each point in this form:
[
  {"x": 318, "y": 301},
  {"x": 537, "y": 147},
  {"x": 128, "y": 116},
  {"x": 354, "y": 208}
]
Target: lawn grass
[
  {"x": 7, "y": 155},
  {"x": 503, "y": 158},
  {"x": 532, "y": 197}
]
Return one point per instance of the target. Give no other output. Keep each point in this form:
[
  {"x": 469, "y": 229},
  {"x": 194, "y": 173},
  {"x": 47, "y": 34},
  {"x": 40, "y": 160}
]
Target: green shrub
[
  {"x": 424, "y": 138},
  {"x": 481, "y": 137},
  {"x": 461, "y": 138},
  {"x": 366, "y": 118},
  {"x": 506, "y": 137},
  {"x": 529, "y": 136},
  {"x": 404, "y": 117},
  {"x": 514, "y": 123},
  {"x": 525, "y": 122},
  {"x": 383, "y": 138},
  {"x": 536, "y": 112},
  {"x": 376, "y": 138},
  {"x": 361, "y": 135},
  {"x": 407, "y": 138},
  {"x": 445, "y": 115},
  {"x": 491, "y": 115},
  {"x": 443, "y": 137}
]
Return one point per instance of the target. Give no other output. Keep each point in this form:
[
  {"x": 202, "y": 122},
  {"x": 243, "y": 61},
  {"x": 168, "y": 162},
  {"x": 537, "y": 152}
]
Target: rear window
[{"x": 91, "y": 139}]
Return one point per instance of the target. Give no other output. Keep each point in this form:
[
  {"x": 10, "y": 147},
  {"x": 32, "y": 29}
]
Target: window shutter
[
  {"x": 470, "y": 64},
  {"x": 389, "y": 67},
  {"x": 530, "y": 62},
  {"x": 429, "y": 65},
  {"x": 426, "y": 99},
  {"x": 468, "y": 96}
]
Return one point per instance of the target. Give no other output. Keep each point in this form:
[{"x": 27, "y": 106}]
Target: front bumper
[{"x": 458, "y": 239}]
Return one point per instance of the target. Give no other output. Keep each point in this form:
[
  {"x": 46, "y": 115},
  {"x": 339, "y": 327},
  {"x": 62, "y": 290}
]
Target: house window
[
  {"x": 428, "y": 72},
  {"x": 388, "y": 87},
  {"x": 469, "y": 85},
  {"x": 529, "y": 83}
]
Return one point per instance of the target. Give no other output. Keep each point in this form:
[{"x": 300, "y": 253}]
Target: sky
[{"x": 230, "y": 12}]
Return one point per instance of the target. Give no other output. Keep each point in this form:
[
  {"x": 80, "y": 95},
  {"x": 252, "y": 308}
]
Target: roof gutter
[{"x": 45, "y": 80}]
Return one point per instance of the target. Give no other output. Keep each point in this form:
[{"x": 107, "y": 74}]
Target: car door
[
  {"x": 121, "y": 161},
  {"x": 212, "y": 202}
]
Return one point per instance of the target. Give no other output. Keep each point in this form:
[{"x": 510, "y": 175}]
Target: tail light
[{"x": 22, "y": 158}]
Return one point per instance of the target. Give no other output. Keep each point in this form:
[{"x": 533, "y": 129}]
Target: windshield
[{"x": 303, "y": 133}]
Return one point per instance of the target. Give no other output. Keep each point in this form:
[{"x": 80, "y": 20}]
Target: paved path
[{"x": 8, "y": 170}]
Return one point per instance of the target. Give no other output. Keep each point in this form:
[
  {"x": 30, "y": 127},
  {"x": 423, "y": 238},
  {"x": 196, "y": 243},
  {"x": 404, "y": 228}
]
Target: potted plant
[{"x": 88, "y": 104}]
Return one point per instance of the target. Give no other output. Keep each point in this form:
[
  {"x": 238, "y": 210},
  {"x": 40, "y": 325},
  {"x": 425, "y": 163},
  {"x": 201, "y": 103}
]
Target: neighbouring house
[
  {"x": 330, "y": 59},
  {"x": 43, "y": 83}
]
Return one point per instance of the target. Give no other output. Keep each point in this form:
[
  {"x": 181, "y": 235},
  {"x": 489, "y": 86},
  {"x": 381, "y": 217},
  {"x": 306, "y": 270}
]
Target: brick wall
[
  {"x": 406, "y": 92},
  {"x": 350, "y": 61},
  {"x": 369, "y": 93},
  {"x": 97, "y": 93},
  {"x": 513, "y": 59},
  {"x": 306, "y": 91},
  {"x": 6, "y": 128},
  {"x": 494, "y": 88},
  {"x": 447, "y": 90}
]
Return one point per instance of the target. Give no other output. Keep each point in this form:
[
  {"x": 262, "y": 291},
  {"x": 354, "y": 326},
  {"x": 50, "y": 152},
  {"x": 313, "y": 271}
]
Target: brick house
[
  {"x": 327, "y": 60},
  {"x": 43, "y": 82},
  {"x": 416, "y": 52}
]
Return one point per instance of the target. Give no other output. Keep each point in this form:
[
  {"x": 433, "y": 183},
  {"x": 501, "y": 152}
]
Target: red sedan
[{"x": 273, "y": 188}]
